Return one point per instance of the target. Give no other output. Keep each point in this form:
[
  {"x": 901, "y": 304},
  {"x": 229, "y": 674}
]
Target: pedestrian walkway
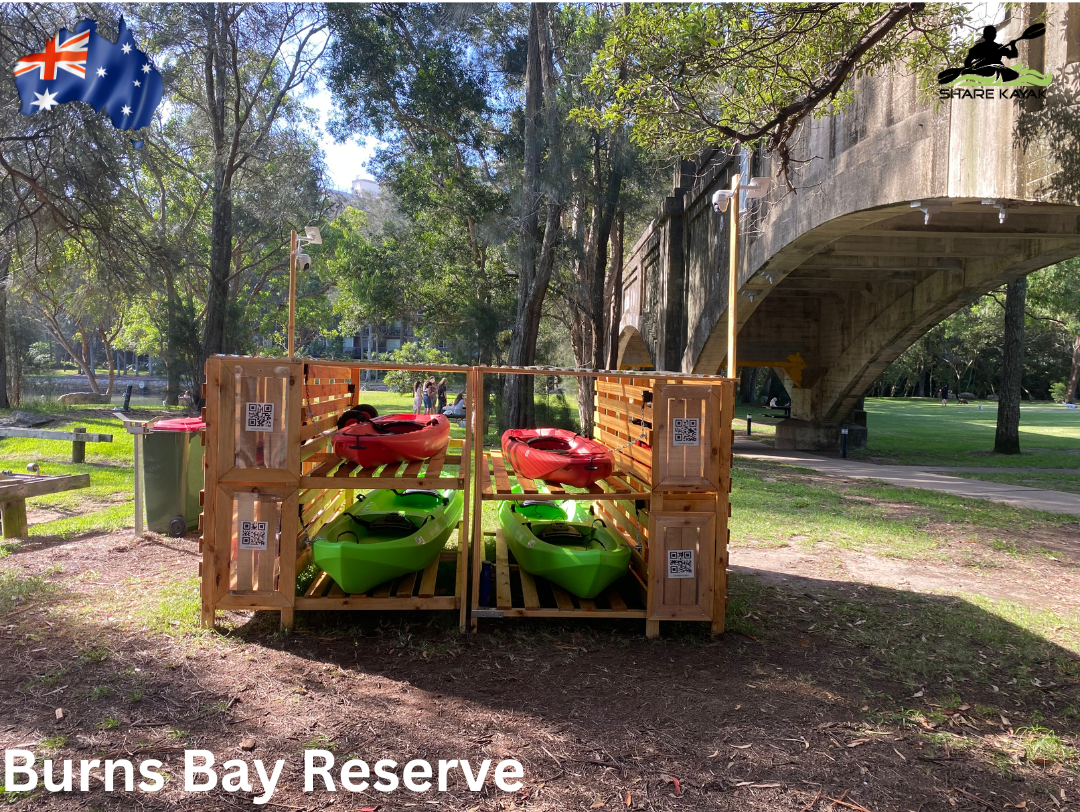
[{"x": 927, "y": 478}]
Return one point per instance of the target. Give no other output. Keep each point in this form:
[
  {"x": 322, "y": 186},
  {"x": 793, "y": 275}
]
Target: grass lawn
[
  {"x": 918, "y": 431},
  {"x": 781, "y": 505},
  {"x": 107, "y": 504}
]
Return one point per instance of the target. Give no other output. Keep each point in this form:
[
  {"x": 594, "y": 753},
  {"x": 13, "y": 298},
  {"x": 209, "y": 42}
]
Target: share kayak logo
[
  {"x": 985, "y": 74},
  {"x": 84, "y": 66}
]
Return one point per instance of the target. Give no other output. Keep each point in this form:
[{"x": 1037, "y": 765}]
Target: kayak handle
[{"x": 600, "y": 522}]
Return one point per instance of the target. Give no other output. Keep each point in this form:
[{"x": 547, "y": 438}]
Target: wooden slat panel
[
  {"x": 502, "y": 573},
  {"x": 435, "y": 464},
  {"x": 427, "y": 581},
  {"x": 383, "y": 590},
  {"x": 324, "y": 372},
  {"x": 413, "y": 468},
  {"x": 562, "y": 599},
  {"x": 390, "y": 471},
  {"x": 347, "y": 467},
  {"x": 335, "y": 591},
  {"x": 324, "y": 468},
  {"x": 325, "y": 390},
  {"x": 405, "y": 585},
  {"x": 485, "y": 477},
  {"x": 615, "y": 600},
  {"x": 528, "y": 590},
  {"x": 267, "y": 559},
  {"x": 501, "y": 479},
  {"x": 319, "y": 586},
  {"x": 587, "y": 605},
  {"x": 328, "y": 407}
]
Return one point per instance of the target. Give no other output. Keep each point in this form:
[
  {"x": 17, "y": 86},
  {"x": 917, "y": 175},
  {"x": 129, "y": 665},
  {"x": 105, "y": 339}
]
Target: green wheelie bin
[{"x": 173, "y": 475}]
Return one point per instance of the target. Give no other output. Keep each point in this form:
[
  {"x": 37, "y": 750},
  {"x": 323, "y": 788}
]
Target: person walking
[
  {"x": 429, "y": 396},
  {"x": 441, "y": 393},
  {"x": 417, "y": 398},
  {"x": 945, "y": 395}
]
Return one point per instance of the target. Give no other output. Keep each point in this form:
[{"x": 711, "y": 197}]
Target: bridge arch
[
  {"x": 633, "y": 351},
  {"x": 904, "y": 212}
]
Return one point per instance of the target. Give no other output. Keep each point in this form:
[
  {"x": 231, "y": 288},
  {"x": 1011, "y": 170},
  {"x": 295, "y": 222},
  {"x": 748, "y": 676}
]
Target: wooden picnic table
[{"x": 15, "y": 489}]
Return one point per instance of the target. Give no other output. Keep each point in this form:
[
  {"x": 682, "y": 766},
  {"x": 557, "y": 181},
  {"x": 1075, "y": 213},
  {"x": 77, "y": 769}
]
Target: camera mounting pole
[{"x": 293, "y": 249}]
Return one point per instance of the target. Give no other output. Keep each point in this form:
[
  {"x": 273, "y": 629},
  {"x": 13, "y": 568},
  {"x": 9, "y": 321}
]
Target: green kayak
[
  {"x": 386, "y": 534},
  {"x": 557, "y": 541}
]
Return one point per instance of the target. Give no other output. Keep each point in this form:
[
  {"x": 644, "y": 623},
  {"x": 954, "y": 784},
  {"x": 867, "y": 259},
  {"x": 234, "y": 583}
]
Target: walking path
[{"x": 913, "y": 476}]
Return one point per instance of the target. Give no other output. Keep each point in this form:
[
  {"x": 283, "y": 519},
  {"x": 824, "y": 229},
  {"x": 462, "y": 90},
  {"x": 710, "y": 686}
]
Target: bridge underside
[{"x": 836, "y": 306}]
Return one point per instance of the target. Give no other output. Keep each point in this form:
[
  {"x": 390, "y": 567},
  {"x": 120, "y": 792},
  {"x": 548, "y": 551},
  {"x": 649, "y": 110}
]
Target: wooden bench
[
  {"x": 15, "y": 489},
  {"x": 78, "y": 437}
]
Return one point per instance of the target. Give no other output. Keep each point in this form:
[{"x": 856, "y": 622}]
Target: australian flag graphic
[{"x": 84, "y": 66}]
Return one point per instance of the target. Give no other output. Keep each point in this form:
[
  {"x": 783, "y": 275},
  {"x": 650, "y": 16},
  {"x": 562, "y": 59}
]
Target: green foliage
[
  {"x": 401, "y": 381},
  {"x": 687, "y": 77}
]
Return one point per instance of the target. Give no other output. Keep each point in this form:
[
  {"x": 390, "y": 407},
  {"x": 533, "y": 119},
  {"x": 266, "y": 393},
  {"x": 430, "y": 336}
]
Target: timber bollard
[{"x": 78, "y": 448}]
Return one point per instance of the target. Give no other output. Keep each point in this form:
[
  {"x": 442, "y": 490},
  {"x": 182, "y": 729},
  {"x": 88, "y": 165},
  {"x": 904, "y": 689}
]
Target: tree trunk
[
  {"x": 614, "y": 308},
  {"x": 518, "y": 407},
  {"x": 1007, "y": 437},
  {"x": 215, "y": 330},
  {"x": 1074, "y": 375},
  {"x": 5, "y": 270}
]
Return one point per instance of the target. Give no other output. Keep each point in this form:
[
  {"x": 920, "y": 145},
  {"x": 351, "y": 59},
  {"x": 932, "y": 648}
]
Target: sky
[
  {"x": 343, "y": 161},
  {"x": 349, "y": 160}
]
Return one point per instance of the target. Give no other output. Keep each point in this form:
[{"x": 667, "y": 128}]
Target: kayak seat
[
  {"x": 390, "y": 523},
  {"x": 555, "y": 445},
  {"x": 422, "y": 497}
]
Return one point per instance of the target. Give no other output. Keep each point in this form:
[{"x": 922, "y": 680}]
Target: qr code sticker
[
  {"x": 260, "y": 417},
  {"x": 680, "y": 563},
  {"x": 253, "y": 535},
  {"x": 685, "y": 431}
]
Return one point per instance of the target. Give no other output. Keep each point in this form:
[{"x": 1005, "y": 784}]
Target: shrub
[{"x": 402, "y": 382}]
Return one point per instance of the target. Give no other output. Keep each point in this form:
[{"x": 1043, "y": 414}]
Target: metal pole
[
  {"x": 843, "y": 442},
  {"x": 733, "y": 278},
  {"x": 292, "y": 294},
  {"x": 749, "y": 420}
]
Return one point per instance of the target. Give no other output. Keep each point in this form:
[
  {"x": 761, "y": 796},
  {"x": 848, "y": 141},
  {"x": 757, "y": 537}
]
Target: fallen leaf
[
  {"x": 247, "y": 743},
  {"x": 714, "y": 755},
  {"x": 964, "y": 708},
  {"x": 857, "y": 742},
  {"x": 1021, "y": 805},
  {"x": 670, "y": 779},
  {"x": 744, "y": 783},
  {"x": 1004, "y": 721},
  {"x": 597, "y": 804},
  {"x": 741, "y": 746},
  {"x": 59, "y": 714},
  {"x": 917, "y": 694},
  {"x": 864, "y": 708},
  {"x": 628, "y": 799}
]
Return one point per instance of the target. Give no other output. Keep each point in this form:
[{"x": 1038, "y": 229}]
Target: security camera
[
  {"x": 721, "y": 199},
  {"x": 303, "y": 262}
]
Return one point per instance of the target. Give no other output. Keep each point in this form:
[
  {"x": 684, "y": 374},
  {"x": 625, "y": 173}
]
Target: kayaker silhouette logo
[{"x": 984, "y": 68}]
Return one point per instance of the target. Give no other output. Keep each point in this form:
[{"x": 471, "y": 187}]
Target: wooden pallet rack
[
  {"x": 666, "y": 494},
  {"x": 269, "y": 489}
]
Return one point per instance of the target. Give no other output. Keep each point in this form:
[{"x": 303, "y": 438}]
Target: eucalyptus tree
[
  {"x": 60, "y": 171},
  {"x": 691, "y": 76},
  {"x": 234, "y": 76}
]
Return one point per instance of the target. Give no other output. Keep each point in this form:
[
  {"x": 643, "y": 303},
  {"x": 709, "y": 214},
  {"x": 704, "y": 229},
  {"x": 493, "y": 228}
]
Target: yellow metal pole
[
  {"x": 733, "y": 277},
  {"x": 292, "y": 294}
]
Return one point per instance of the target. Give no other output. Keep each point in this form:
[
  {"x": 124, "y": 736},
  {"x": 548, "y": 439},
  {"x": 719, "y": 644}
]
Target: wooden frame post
[{"x": 293, "y": 242}]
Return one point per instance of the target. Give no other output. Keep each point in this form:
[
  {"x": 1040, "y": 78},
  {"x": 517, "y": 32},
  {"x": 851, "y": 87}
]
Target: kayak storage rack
[
  {"x": 668, "y": 498},
  {"x": 272, "y": 481}
]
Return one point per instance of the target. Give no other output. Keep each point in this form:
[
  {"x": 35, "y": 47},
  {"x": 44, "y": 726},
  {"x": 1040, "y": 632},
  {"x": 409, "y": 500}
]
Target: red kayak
[
  {"x": 557, "y": 455},
  {"x": 391, "y": 438}
]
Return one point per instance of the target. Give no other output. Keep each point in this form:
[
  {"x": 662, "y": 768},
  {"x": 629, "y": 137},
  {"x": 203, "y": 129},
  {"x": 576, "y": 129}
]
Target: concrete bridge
[{"x": 905, "y": 211}]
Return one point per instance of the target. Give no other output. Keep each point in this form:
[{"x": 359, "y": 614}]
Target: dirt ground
[{"x": 824, "y": 693}]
